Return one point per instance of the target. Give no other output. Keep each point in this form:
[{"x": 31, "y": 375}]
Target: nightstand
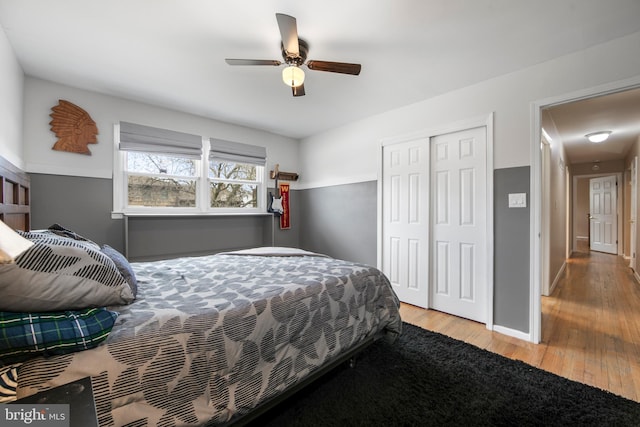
[{"x": 77, "y": 394}]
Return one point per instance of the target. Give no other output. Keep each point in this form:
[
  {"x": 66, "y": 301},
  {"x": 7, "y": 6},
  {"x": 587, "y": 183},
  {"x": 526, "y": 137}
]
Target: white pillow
[
  {"x": 58, "y": 273},
  {"x": 11, "y": 244}
]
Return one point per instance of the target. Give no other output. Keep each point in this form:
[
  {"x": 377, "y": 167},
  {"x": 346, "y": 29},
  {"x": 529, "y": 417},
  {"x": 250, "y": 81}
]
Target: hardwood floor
[{"x": 590, "y": 326}]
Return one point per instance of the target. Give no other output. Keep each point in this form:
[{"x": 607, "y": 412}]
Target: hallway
[{"x": 590, "y": 326}]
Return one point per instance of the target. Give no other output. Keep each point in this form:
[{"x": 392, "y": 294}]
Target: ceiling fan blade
[
  {"x": 334, "y": 67},
  {"x": 298, "y": 90},
  {"x": 289, "y": 33},
  {"x": 252, "y": 62}
]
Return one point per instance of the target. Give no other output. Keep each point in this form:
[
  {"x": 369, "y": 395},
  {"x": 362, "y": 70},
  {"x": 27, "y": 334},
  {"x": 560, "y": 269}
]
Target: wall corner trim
[{"x": 513, "y": 333}]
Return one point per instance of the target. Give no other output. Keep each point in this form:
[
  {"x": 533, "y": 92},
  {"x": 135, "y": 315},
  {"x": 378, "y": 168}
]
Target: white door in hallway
[
  {"x": 405, "y": 219},
  {"x": 603, "y": 227},
  {"x": 459, "y": 223}
]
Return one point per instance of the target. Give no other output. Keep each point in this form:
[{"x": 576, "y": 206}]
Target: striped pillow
[
  {"x": 8, "y": 383},
  {"x": 59, "y": 273},
  {"x": 26, "y": 335}
]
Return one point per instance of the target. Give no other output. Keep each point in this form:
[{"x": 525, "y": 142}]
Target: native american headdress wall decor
[{"x": 74, "y": 128}]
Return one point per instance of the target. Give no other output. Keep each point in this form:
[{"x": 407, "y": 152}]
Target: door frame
[
  {"x": 545, "y": 147},
  {"x": 535, "y": 226},
  {"x": 485, "y": 121},
  {"x": 633, "y": 214}
]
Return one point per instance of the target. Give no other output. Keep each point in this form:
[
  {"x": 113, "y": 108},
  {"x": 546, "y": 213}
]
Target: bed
[{"x": 216, "y": 339}]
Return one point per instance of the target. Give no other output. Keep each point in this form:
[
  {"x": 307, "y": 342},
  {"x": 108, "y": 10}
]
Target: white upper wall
[
  {"x": 350, "y": 153},
  {"x": 11, "y": 85},
  {"x": 40, "y": 96},
  {"x": 344, "y": 155}
]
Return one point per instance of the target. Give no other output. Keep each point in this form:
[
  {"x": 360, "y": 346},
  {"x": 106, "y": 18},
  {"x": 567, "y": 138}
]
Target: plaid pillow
[{"x": 26, "y": 335}]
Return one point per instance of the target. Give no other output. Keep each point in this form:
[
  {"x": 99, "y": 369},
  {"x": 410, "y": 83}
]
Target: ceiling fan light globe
[{"x": 293, "y": 76}]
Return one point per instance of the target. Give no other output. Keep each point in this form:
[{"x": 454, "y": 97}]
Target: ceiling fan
[{"x": 294, "y": 52}]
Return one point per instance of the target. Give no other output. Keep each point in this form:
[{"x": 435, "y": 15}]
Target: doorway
[{"x": 537, "y": 180}]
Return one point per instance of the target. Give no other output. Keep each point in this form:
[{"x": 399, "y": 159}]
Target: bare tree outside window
[
  {"x": 159, "y": 192},
  {"x": 157, "y": 180},
  {"x": 233, "y": 185}
]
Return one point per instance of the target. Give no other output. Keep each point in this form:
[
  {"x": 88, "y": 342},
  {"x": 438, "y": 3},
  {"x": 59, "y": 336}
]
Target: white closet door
[
  {"x": 458, "y": 215},
  {"x": 405, "y": 229}
]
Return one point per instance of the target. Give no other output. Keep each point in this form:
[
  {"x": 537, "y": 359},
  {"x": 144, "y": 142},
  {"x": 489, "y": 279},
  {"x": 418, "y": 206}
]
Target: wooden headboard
[{"x": 15, "y": 203}]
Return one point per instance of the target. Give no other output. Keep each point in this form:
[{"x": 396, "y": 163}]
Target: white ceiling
[
  {"x": 171, "y": 53},
  {"x": 617, "y": 112}
]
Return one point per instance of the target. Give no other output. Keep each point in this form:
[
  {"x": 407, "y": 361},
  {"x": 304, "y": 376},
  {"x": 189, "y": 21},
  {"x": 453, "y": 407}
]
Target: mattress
[{"x": 210, "y": 338}]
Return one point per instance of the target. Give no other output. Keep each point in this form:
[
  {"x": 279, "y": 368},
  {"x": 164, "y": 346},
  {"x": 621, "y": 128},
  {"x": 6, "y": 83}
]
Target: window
[
  {"x": 235, "y": 175},
  {"x": 157, "y": 180},
  {"x": 233, "y": 185},
  {"x": 157, "y": 171}
]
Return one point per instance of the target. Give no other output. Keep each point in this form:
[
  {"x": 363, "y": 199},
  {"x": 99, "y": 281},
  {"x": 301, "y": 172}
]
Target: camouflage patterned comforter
[{"x": 209, "y": 338}]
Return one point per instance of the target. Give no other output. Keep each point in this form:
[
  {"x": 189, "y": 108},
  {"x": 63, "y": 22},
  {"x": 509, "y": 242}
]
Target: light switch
[{"x": 517, "y": 200}]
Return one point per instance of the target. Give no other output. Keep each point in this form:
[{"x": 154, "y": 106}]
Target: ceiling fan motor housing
[{"x": 292, "y": 59}]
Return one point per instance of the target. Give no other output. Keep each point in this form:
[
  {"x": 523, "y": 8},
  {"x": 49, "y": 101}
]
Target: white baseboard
[
  {"x": 558, "y": 277},
  {"x": 513, "y": 333}
]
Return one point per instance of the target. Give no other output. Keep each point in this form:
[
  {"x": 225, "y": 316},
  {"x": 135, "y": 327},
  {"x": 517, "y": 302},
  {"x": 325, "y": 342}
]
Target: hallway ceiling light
[{"x": 598, "y": 136}]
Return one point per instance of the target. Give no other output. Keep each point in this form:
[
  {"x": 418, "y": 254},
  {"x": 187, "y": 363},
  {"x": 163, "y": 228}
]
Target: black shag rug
[{"x": 428, "y": 379}]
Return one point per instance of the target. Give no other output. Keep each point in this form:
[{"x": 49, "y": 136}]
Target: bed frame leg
[{"x": 352, "y": 362}]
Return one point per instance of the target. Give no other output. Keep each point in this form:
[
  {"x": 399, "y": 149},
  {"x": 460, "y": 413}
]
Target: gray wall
[
  {"x": 511, "y": 250},
  {"x": 80, "y": 204},
  {"x": 166, "y": 237},
  {"x": 341, "y": 221},
  {"x": 84, "y": 205}
]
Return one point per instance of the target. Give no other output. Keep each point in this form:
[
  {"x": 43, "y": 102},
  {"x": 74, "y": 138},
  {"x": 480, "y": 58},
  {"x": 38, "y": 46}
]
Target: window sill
[{"x": 122, "y": 215}]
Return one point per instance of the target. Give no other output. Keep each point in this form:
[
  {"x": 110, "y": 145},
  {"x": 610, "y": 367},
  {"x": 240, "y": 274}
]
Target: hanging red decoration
[{"x": 285, "y": 220}]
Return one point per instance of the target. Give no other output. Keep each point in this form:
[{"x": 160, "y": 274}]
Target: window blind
[
  {"x": 236, "y": 152},
  {"x": 134, "y": 137}
]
